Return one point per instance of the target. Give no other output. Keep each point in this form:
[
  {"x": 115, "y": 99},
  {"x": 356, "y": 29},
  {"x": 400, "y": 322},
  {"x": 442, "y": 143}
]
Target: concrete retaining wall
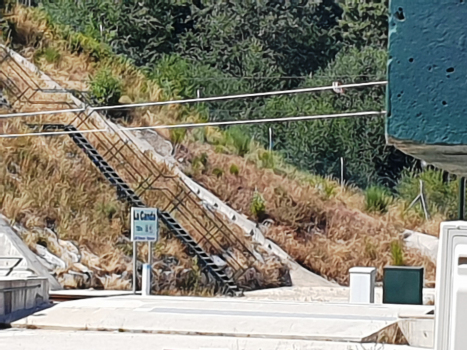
[{"x": 22, "y": 297}]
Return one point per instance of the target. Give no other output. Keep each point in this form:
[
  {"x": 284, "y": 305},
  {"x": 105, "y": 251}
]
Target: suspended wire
[
  {"x": 197, "y": 100},
  {"x": 199, "y": 125}
]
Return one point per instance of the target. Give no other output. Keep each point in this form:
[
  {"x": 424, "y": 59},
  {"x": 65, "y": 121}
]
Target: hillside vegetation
[
  {"x": 326, "y": 227},
  {"x": 252, "y": 46}
]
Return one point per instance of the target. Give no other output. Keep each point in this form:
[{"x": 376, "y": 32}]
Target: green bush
[
  {"x": 105, "y": 87},
  {"x": 218, "y": 172},
  {"x": 441, "y": 195},
  {"x": 234, "y": 170},
  {"x": 177, "y": 135},
  {"x": 397, "y": 253},
  {"x": 258, "y": 206},
  {"x": 50, "y": 54},
  {"x": 377, "y": 199},
  {"x": 200, "y": 162},
  {"x": 239, "y": 139},
  {"x": 267, "y": 160},
  {"x": 108, "y": 209}
]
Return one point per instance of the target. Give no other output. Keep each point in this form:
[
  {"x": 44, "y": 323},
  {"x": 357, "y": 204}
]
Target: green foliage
[
  {"x": 218, "y": 172},
  {"x": 377, "y": 199},
  {"x": 318, "y": 145},
  {"x": 364, "y": 23},
  {"x": 397, "y": 253},
  {"x": 109, "y": 209},
  {"x": 105, "y": 87},
  {"x": 234, "y": 170},
  {"x": 200, "y": 162},
  {"x": 177, "y": 135},
  {"x": 50, "y": 54},
  {"x": 441, "y": 194},
  {"x": 249, "y": 46},
  {"x": 258, "y": 206},
  {"x": 237, "y": 138},
  {"x": 267, "y": 159}
]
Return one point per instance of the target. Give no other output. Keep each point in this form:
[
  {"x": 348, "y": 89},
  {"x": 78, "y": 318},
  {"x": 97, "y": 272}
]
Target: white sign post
[{"x": 144, "y": 228}]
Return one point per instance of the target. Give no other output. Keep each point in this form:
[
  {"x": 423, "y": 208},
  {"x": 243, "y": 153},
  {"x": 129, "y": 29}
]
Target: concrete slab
[
  {"x": 223, "y": 317},
  {"x": 425, "y": 244},
  {"x": 25, "y": 339},
  {"x": 419, "y": 331},
  {"x": 321, "y": 294}
]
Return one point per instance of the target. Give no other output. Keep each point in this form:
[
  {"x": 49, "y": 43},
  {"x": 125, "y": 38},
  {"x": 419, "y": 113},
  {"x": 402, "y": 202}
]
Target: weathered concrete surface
[
  {"x": 12, "y": 246},
  {"x": 419, "y": 331},
  {"x": 322, "y": 294},
  {"x": 425, "y": 244},
  {"x": 25, "y": 339},
  {"x": 22, "y": 297},
  {"x": 223, "y": 317},
  {"x": 426, "y": 70}
]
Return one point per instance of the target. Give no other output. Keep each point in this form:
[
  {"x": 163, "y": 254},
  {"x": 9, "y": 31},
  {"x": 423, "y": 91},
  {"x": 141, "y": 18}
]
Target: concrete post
[
  {"x": 362, "y": 285},
  {"x": 146, "y": 275}
]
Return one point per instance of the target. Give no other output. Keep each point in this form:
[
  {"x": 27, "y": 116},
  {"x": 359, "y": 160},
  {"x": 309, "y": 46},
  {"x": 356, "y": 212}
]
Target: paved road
[{"x": 25, "y": 339}]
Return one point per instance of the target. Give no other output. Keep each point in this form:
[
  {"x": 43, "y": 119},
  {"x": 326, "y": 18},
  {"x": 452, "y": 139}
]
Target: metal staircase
[
  {"x": 137, "y": 176},
  {"x": 126, "y": 193}
]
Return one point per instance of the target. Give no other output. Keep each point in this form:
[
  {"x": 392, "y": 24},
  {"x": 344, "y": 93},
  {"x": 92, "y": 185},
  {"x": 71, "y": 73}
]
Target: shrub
[
  {"x": 108, "y": 209},
  {"x": 441, "y": 195},
  {"x": 105, "y": 87},
  {"x": 200, "y": 162},
  {"x": 377, "y": 199},
  {"x": 267, "y": 160},
  {"x": 258, "y": 206},
  {"x": 397, "y": 253},
  {"x": 218, "y": 172},
  {"x": 177, "y": 135},
  {"x": 50, "y": 54},
  {"x": 239, "y": 139},
  {"x": 234, "y": 170}
]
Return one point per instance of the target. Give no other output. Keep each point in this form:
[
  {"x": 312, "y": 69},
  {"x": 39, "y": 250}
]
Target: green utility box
[{"x": 403, "y": 285}]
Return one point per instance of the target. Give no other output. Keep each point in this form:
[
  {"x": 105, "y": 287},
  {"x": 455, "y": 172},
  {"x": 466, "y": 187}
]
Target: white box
[
  {"x": 451, "y": 288},
  {"x": 362, "y": 285}
]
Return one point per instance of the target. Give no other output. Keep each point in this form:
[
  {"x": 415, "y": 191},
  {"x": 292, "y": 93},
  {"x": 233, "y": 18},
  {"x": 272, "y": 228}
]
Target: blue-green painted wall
[{"x": 427, "y": 72}]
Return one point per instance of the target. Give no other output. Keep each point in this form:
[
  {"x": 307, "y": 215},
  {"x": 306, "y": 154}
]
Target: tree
[{"x": 318, "y": 145}]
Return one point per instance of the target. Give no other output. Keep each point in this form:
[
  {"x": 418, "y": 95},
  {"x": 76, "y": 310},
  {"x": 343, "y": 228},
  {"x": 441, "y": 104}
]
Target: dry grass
[
  {"x": 321, "y": 231},
  {"x": 134, "y": 168},
  {"x": 48, "y": 182},
  {"x": 320, "y": 223}
]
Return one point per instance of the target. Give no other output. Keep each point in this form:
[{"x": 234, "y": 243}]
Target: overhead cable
[
  {"x": 195, "y": 100},
  {"x": 199, "y": 125}
]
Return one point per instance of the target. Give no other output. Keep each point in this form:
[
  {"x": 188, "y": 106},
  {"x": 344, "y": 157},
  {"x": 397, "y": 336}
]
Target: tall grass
[
  {"x": 105, "y": 87},
  {"x": 441, "y": 195},
  {"x": 377, "y": 199},
  {"x": 397, "y": 253}
]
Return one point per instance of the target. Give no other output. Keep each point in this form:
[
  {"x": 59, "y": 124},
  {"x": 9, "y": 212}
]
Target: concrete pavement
[
  {"x": 26, "y": 339},
  {"x": 224, "y": 317}
]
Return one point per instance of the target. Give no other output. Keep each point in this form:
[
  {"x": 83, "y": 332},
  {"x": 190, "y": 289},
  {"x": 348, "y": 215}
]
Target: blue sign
[{"x": 144, "y": 225}]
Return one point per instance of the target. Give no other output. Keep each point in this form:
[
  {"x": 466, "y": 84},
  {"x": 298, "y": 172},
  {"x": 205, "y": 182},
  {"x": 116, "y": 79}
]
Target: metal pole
[
  {"x": 135, "y": 259},
  {"x": 342, "y": 171},
  {"x": 270, "y": 140},
  {"x": 150, "y": 266},
  {"x": 462, "y": 198}
]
